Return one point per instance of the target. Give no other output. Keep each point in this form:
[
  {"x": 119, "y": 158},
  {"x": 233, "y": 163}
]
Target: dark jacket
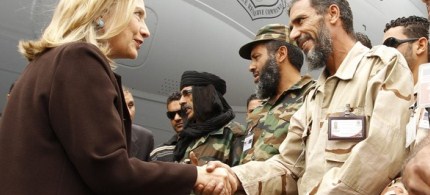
[
  {"x": 164, "y": 152},
  {"x": 65, "y": 130},
  {"x": 142, "y": 142}
]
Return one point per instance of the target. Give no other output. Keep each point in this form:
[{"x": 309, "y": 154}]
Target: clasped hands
[{"x": 215, "y": 178}]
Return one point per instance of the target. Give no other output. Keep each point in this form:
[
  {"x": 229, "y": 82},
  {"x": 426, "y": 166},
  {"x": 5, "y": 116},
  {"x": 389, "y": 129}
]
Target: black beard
[
  {"x": 317, "y": 57},
  {"x": 269, "y": 79}
]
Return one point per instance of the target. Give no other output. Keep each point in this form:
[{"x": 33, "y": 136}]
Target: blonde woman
[{"x": 66, "y": 129}]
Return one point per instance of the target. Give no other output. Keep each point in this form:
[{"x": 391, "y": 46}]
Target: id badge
[
  {"x": 411, "y": 132},
  {"x": 424, "y": 85},
  {"x": 424, "y": 120},
  {"x": 348, "y": 127},
  {"x": 247, "y": 143}
]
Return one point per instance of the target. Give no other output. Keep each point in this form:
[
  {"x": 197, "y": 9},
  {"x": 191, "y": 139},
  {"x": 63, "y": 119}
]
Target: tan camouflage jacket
[
  {"x": 269, "y": 123},
  {"x": 378, "y": 85},
  {"x": 421, "y": 122},
  {"x": 222, "y": 145}
]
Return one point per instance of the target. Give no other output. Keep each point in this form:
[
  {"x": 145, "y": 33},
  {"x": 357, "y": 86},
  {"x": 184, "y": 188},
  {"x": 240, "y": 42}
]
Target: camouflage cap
[{"x": 269, "y": 32}]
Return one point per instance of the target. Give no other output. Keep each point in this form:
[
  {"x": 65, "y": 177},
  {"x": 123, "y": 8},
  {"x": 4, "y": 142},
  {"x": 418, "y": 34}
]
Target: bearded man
[
  {"x": 349, "y": 135},
  {"x": 275, "y": 65}
]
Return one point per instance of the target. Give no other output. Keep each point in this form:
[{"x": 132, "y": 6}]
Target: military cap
[{"x": 269, "y": 32}]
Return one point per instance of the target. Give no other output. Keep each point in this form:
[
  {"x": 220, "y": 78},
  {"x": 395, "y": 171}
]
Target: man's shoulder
[
  {"x": 141, "y": 130},
  {"x": 305, "y": 85},
  {"x": 383, "y": 55},
  {"x": 235, "y": 127}
]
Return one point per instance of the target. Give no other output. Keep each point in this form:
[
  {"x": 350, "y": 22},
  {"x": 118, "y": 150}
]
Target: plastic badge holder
[{"x": 424, "y": 86}]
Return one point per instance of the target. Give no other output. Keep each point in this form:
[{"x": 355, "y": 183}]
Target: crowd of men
[
  {"x": 295, "y": 127},
  {"x": 348, "y": 132}
]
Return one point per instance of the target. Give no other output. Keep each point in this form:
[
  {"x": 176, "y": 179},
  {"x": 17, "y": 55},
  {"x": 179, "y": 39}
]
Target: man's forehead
[
  {"x": 396, "y": 32},
  {"x": 300, "y": 5},
  {"x": 300, "y": 8},
  {"x": 258, "y": 47},
  {"x": 173, "y": 104}
]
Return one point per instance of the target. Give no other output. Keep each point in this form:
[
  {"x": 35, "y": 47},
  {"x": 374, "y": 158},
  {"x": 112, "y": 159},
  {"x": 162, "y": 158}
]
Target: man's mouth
[
  {"x": 256, "y": 77},
  {"x": 303, "y": 42},
  {"x": 186, "y": 108}
]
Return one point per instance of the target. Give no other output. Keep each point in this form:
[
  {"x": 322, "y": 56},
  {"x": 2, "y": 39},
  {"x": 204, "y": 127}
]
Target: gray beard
[
  {"x": 317, "y": 57},
  {"x": 269, "y": 79}
]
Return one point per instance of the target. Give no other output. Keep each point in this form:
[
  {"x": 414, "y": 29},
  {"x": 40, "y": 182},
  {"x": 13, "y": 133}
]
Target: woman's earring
[{"x": 100, "y": 23}]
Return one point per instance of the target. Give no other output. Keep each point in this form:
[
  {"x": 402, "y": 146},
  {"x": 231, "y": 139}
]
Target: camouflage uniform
[
  {"x": 269, "y": 123},
  {"x": 420, "y": 118},
  {"x": 218, "y": 145},
  {"x": 377, "y": 84}
]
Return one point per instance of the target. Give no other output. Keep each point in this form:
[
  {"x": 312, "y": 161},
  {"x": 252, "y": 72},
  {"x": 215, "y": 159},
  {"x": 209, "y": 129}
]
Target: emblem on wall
[{"x": 258, "y": 9}]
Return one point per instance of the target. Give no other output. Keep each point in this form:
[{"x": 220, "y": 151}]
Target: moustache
[
  {"x": 185, "y": 107},
  {"x": 302, "y": 39}
]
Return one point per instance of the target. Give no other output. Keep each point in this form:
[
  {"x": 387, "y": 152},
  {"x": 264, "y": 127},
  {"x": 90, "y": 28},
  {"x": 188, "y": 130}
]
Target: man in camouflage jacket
[
  {"x": 209, "y": 132},
  {"x": 275, "y": 65}
]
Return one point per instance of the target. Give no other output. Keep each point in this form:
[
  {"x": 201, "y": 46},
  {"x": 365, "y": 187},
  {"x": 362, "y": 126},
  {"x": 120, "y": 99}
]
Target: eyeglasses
[
  {"x": 171, "y": 114},
  {"x": 393, "y": 42},
  {"x": 186, "y": 92}
]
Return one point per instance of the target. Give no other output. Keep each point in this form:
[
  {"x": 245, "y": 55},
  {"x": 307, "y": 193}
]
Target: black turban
[{"x": 194, "y": 78}]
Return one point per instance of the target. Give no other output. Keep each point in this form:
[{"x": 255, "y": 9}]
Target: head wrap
[
  {"x": 196, "y": 129},
  {"x": 194, "y": 78}
]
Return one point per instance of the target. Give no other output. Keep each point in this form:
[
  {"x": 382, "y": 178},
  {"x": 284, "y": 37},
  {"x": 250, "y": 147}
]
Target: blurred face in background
[
  {"x": 130, "y": 104},
  {"x": 404, "y": 48},
  {"x": 252, "y": 105},
  {"x": 173, "y": 113}
]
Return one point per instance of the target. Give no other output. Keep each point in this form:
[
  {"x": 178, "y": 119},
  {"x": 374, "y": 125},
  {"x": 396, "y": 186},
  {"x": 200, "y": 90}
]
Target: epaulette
[
  {"x": 308, "y": 90},
  {"x": 236, "y": 128},
  {"x": 385, "y": 54}
]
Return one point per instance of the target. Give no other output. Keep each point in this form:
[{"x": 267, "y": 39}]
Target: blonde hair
[{"x": 75, "y": 20}]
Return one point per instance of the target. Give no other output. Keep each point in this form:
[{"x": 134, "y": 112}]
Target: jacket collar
[{"x": 349, "y": 65}]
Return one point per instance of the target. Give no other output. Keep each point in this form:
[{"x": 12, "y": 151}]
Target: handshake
[{"x": 215, "y": 178}]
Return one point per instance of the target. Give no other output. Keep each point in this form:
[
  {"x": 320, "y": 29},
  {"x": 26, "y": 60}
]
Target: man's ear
[
  {"x": 281, "y": 54},
  {"x": 422, "y": 46},
  {"x": 333, "y": 13}
]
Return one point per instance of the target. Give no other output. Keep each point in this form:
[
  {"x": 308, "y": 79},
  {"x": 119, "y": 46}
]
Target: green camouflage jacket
[
  {"x": 269, "y": 123},
  {"x": 223, "y": 145}
]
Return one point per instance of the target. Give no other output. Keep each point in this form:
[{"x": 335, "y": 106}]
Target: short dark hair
[
  {"x": 364, "y": 39},
  {"x": 414, "y": 27},
  {"x": 175, "y": 96},
  {"x": 345, "y": 11},
  {"x": 250, "y": 98},
  {"x": 295, "y": 55}
]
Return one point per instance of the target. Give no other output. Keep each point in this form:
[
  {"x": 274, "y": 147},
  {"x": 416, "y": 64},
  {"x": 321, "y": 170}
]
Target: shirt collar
[
  {"x": 297, "y": 86},
  {"x": 347, "y": 68},
  {"x": 349, "y": 65},
  {"x": 303, "y": 81}
]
